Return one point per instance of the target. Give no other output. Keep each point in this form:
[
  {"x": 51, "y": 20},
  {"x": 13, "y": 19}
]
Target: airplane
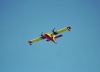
[{"x": 50, "y": 36}]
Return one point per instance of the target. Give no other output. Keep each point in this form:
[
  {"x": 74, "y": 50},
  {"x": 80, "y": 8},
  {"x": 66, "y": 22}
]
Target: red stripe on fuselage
[{"x": 49, "y": 37}]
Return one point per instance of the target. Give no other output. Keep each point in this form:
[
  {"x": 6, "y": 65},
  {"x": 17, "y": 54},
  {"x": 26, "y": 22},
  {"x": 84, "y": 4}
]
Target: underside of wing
[
  {"x": 61, "y": 30},
  {"x": 35, "y": 40}
]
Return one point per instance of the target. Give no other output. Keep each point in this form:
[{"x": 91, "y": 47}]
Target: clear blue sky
[{"x": 22, "y": 20}]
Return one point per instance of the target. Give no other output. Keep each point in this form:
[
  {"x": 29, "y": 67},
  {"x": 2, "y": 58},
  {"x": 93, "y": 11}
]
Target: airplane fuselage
[{"x": 50, "y": 37}]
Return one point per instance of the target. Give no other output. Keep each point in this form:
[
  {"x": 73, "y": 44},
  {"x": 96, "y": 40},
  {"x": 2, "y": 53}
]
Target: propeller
[
  {"x": 42, "y": 34},
  {"x": 53, "y": 30}
]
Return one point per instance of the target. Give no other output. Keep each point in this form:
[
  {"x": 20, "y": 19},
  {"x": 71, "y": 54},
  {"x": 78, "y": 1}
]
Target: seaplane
[{"x": 50, "y": 36}]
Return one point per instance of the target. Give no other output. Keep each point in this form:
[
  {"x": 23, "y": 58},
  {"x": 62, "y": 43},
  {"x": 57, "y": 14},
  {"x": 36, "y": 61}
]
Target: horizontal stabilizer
[{"x": 58, "y": 36}]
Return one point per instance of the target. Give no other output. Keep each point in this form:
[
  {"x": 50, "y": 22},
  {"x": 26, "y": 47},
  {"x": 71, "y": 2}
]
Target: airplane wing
[
  {"x": 62, "y": 30},
  {"x": 35, "y": 40}
]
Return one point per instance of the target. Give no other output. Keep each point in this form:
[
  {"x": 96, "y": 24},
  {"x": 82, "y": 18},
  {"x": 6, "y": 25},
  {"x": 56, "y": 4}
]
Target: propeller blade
[
  {"x": 42, "y": 34},
  {"x": 53, "y": 30}
]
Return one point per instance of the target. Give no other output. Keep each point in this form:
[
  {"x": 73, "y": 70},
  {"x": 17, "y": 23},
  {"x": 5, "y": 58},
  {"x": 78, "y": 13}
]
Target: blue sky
[{"x": 22, "y": 20}]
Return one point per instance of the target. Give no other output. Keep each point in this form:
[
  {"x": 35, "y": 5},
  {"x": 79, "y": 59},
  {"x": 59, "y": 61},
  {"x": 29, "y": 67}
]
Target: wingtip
[
  {"x": 68, "y": 27},
  {"x": 30, "y": 42}
]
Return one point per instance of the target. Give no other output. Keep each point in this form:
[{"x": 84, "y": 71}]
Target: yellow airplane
[{"x": 50, "y": 36}]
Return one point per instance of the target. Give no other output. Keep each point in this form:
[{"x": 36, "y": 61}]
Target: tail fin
[{"x": 54, "y": 39}]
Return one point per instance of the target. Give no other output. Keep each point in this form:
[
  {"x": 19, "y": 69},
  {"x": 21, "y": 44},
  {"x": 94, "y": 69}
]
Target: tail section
[{"x": 54, "y": 39}]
